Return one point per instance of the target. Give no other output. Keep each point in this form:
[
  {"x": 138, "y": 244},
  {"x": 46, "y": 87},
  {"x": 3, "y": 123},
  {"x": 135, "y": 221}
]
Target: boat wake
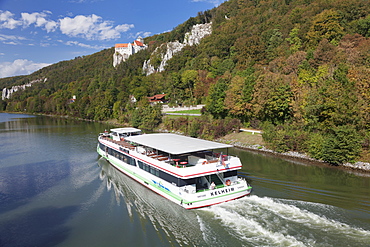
[
  {"x": 264, "y": 221},
  {"x": 249, "y": 221}
]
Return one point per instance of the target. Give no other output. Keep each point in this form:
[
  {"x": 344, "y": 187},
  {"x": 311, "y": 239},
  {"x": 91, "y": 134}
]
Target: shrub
[
  {"x": 341, "y": 145},
  {"x": 283, "y": 138}
]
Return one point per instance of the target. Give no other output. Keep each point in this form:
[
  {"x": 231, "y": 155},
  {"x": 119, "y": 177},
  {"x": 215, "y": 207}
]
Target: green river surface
[{"x": 56, "y": 191}]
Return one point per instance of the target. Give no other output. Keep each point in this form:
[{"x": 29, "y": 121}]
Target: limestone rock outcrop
[
  {"x": 168, "y": 50},
  {"x": 7, "y": 93},
  {"x": 117, "y": 59}
]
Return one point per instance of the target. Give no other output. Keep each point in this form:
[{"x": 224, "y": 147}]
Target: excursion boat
[{"x": 188, "y": 171}]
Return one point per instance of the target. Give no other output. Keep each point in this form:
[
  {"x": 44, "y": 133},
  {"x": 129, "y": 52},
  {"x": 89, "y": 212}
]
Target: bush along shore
[{"x": 359, "y": 166}]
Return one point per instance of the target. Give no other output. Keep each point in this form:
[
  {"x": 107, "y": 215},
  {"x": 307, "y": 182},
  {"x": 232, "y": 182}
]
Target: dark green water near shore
[{"x": 56, "y": 191}]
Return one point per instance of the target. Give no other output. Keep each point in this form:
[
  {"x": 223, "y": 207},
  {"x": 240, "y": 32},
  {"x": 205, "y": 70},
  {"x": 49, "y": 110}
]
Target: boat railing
[
  {"x": 178, "y": 162},
  {"x": 121, "y": 143}
]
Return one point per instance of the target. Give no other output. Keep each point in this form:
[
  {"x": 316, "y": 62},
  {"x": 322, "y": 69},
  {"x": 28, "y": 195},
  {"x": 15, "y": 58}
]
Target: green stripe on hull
[{"x": 141, "y": 178}]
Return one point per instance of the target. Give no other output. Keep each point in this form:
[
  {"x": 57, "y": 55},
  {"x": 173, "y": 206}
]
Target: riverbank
[{"x": 254, "y": 142}]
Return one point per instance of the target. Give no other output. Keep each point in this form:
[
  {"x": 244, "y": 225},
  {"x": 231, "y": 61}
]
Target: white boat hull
[{"x": 176, "y": 194}]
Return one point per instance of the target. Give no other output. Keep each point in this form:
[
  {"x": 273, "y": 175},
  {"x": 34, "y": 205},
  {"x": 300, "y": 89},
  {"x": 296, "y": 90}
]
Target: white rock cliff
[
  {"x": 7, "y": 93},
  {"x": 197, "y": 33}
]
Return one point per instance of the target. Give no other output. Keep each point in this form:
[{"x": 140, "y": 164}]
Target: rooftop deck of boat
[{"x": 175, "y": 144}]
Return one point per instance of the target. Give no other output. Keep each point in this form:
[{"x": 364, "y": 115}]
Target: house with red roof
[
  {"x": 127, "y": 49},
  {"x": 158, "y": 98}
]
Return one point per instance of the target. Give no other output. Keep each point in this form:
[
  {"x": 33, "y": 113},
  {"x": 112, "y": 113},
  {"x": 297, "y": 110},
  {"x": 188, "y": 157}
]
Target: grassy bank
[{"x": 246, "y": 138}]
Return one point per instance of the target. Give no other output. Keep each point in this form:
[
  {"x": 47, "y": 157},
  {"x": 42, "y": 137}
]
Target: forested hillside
[{"x": 298, "y": 69}]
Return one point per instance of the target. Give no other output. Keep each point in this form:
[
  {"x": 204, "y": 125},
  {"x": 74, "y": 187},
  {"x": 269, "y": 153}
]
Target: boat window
[
  {"x": 230, "y": 174},
  {"x": 143, "y": 166},
  {"x": 148, "y": 168},
  {"x": 165, "y": 176},
  {"x": 183, "y": 182},
  {"x": 101, "y": 146},
  {"x": 121, "y": 156},
  {"x": 168, "y": 177}
]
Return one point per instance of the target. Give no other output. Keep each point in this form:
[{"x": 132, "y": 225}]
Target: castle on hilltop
[{"x": 123, "y": 51}]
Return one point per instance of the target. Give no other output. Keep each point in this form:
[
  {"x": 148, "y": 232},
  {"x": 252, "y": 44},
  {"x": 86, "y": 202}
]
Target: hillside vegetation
[{"x": 298, "y": 69}]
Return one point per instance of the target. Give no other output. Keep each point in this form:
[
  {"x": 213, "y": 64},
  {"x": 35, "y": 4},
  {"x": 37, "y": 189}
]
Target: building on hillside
[
  {"x": 158, "y": 98},
  {"x": 127, "y": 49},
  {"x": 132, "y": 99}
]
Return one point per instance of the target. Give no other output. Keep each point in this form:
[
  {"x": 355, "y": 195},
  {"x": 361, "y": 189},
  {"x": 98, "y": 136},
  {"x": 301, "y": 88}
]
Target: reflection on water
[{"x": 169, "y": 220}]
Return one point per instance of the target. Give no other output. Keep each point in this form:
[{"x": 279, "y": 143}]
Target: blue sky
[{"x": 36, "y": 33}]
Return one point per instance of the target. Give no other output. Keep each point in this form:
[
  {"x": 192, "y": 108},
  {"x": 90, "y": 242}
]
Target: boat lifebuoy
[
  {"x": 205, "y": 162},
  {"x": 228, "y": 182}
]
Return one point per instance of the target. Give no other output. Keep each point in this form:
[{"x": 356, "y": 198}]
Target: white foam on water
[
  {"x": 250, "y": 230},
  {"x": 265, "y": 221},
  {"x": 309, "y": 219}
]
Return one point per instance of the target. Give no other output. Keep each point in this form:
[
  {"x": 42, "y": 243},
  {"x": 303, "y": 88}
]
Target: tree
[
  {"x": 294, "y": 40},
  {"x": 216, "y": 97},
  {"x": 272, "y": 98},
  {"x": 274, "y": 39},
  {"x": 363, "y": 26},
  {"x": 146, "y": 116},
  {"x": 341, "y": 145},
  {"x": 234, "y": 101},
  {"x": 189, "y": 78},
  {"x": 239, "y": 95},
  {"x": 325, "y": 25},
  {"x": 278, "y": 107}
]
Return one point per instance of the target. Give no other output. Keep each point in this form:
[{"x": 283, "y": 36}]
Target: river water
[{"x": 56, "y": 191}]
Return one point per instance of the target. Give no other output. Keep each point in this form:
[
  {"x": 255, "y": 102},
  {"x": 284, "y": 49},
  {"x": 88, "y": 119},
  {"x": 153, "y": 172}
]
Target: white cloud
[
  {"x": 19, "y": 67},
  {"x": 39, "y": 20},
  {"x": 11, "y": 39},
  {"x": 92, "y": 27},
  {"x": 7, "y": 21}
]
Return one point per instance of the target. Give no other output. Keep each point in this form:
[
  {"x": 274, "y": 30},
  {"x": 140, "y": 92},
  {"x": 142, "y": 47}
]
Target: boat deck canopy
[
  {"x": 175, "y": 144},
  {"x": 126, "y": 130}
]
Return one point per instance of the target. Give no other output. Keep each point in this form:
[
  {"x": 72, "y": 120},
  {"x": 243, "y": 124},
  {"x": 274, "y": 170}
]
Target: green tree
[
  {"x": 146, "y": 116},
  {"x": 189, "y": 78},
  {"x": 363, "y": 26},
  {"x": 216, "y": 97},
  {"x": 275, "y": 38},
  {"x": 341, "y": 145},
  {"x": 326, "y": 25},
  {"x": 278, "y": 107},
  {"x": 294, "y": 40}
]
